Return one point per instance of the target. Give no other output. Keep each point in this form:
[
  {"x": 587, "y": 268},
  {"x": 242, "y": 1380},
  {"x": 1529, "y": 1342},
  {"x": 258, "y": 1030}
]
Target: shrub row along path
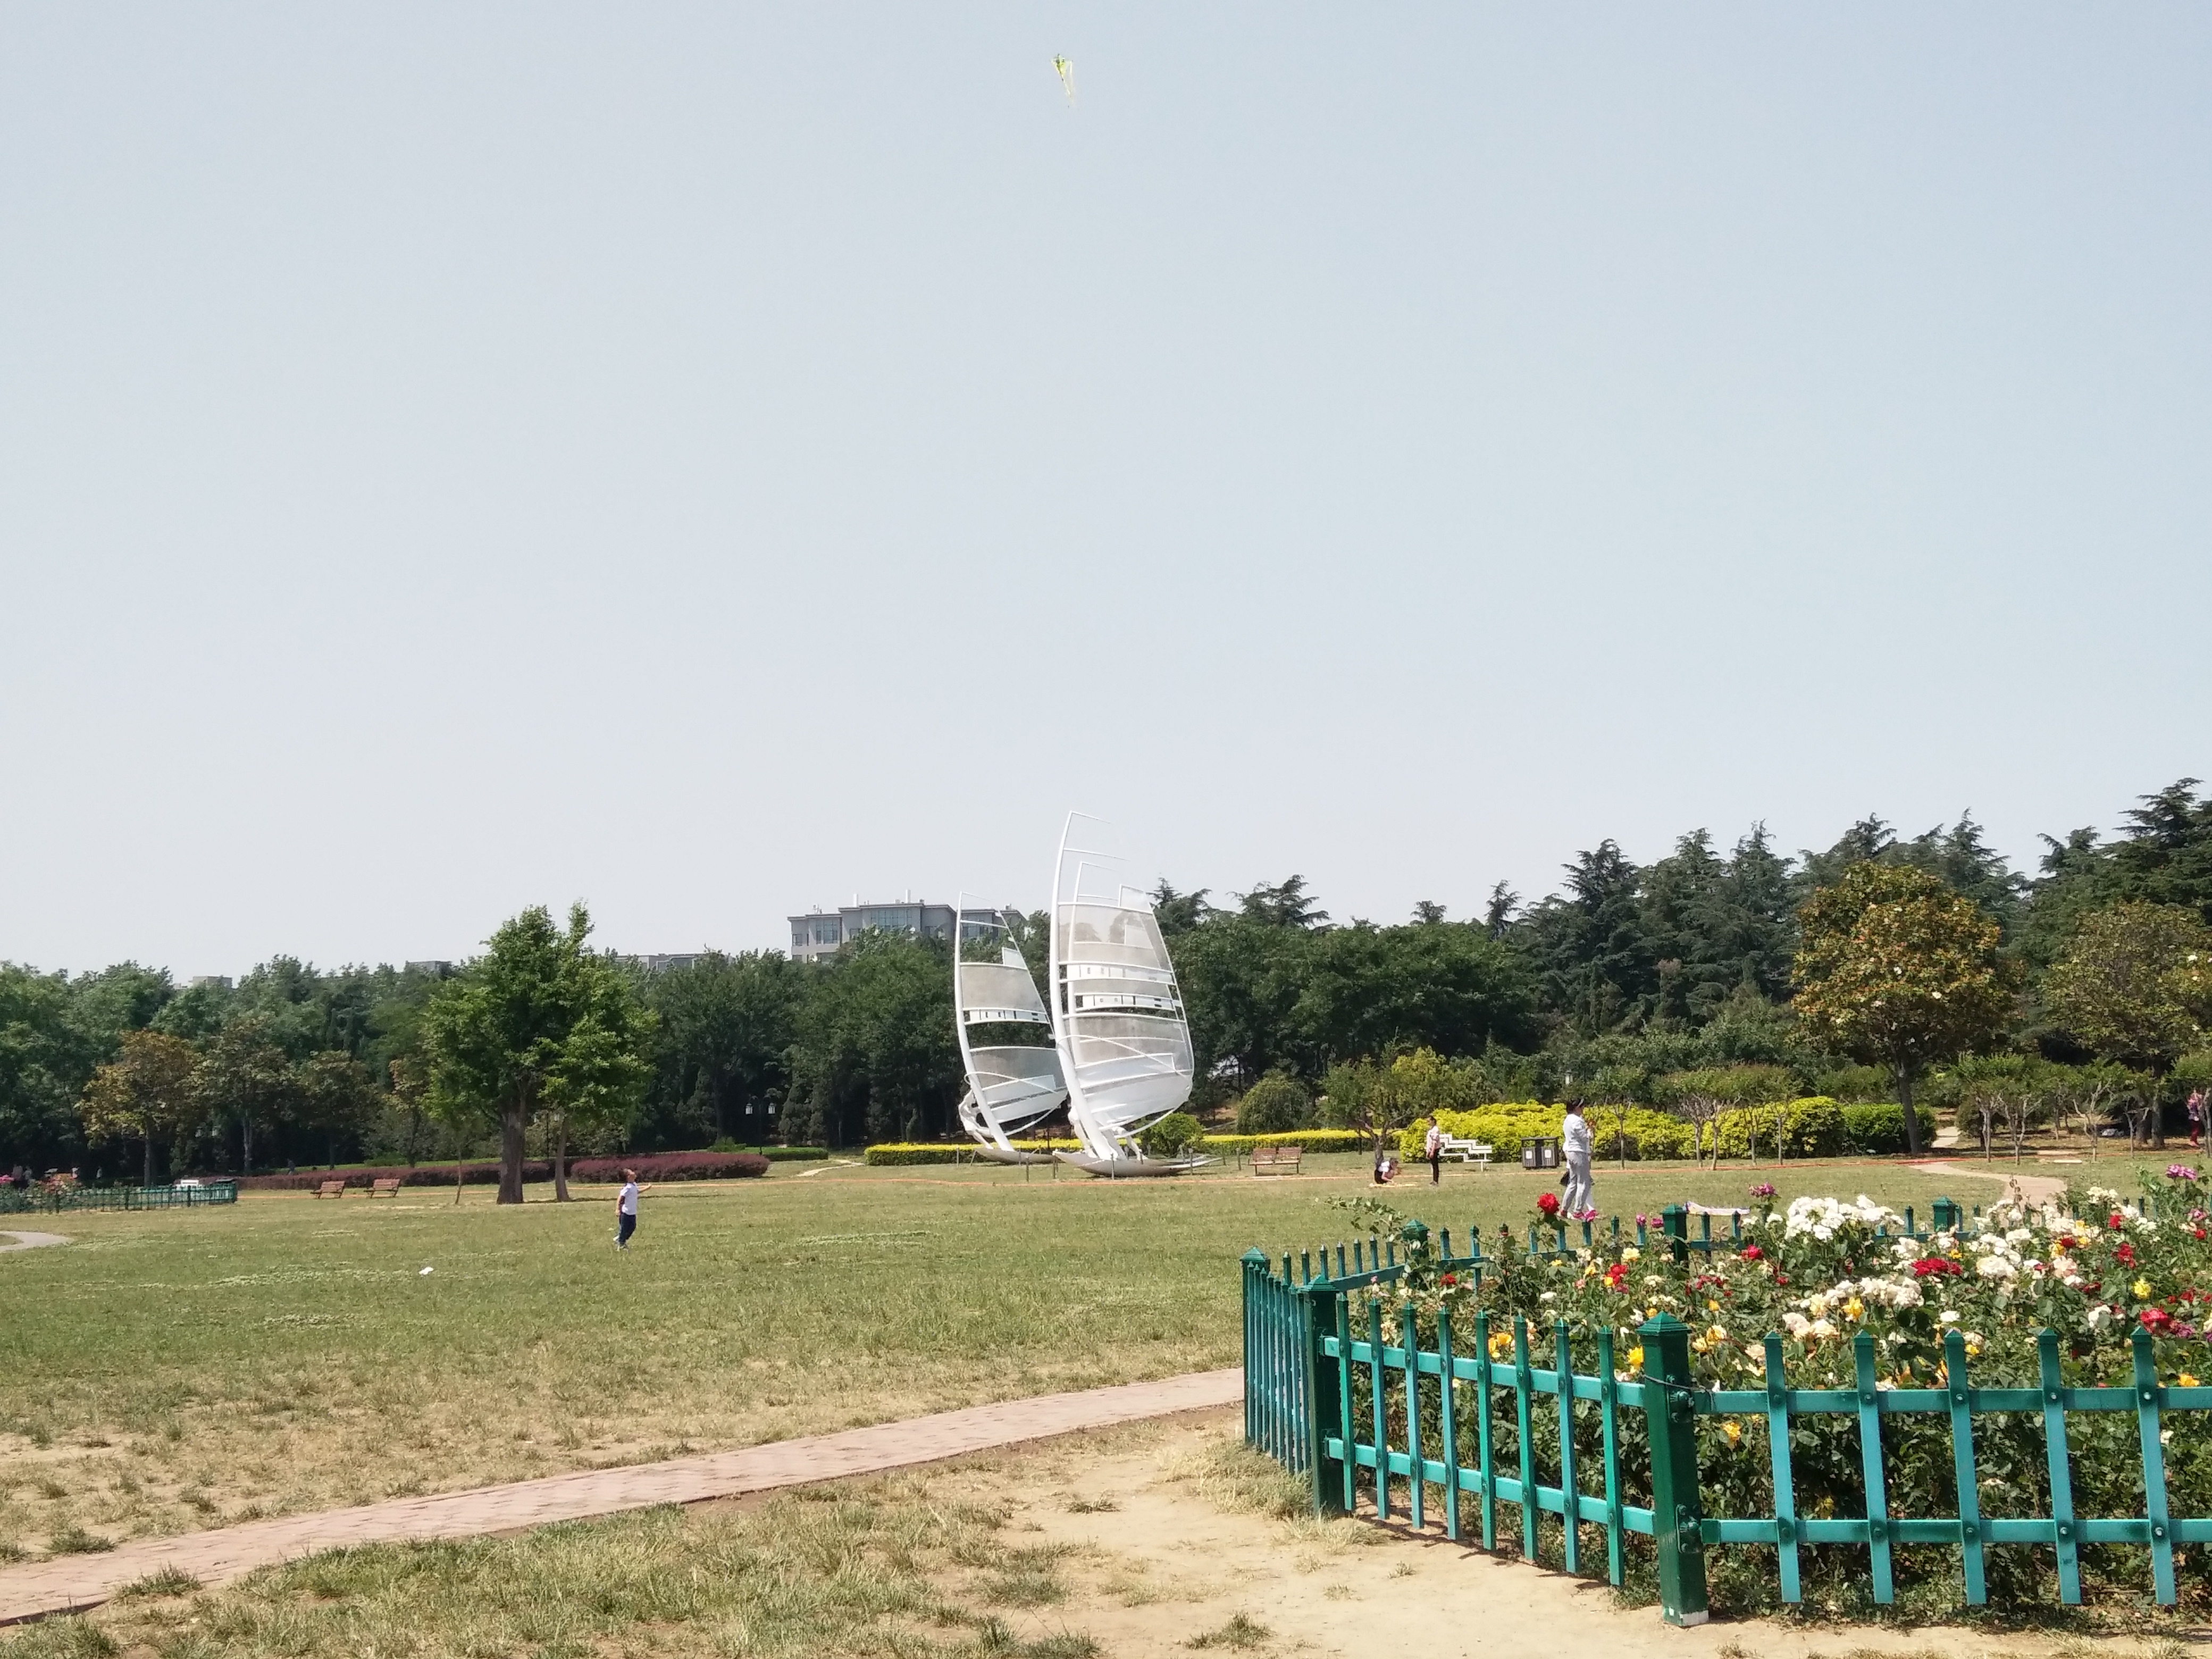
[
  {"x": 29, "y": 1241},
  {"x": 68, "y": 1583}
]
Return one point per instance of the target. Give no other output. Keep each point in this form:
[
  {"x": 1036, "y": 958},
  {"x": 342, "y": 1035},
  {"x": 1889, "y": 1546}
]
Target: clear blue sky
[{"x": 712, "y": 460}]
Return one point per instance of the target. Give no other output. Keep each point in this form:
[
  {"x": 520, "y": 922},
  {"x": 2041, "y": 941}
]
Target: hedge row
[
  {"x": 587, "y": 1172},
  {"x": 939, "y": 1152},
  {"x": 955, "y": 1151},
  {"x": 1812, "y": 1127}
]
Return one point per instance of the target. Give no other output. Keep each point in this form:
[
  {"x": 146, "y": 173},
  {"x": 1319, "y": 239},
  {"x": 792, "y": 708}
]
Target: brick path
[{"x": 63, "y": 1583}]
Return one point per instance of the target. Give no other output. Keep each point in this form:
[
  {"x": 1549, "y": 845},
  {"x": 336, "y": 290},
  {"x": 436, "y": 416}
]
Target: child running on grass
[{"x": 626, "y": 1208}]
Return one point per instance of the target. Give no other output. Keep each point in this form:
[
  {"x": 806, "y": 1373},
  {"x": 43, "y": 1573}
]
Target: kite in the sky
[{"x": 1066, "y": 70}]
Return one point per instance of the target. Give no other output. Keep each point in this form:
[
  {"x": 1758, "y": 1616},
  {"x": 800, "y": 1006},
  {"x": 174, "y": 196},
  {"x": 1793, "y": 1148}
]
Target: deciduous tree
[
  {"x": 1896, "y": 970},
  {"x": 2134, "y": 984},
  {"x": 144, "y": 1093},
  {"x": 499, "y": 1033}
]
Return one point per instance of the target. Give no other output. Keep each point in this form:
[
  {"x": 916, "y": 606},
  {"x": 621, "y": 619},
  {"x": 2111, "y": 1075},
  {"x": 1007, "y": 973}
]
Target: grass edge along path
[{"x": 72, "y": 1584}]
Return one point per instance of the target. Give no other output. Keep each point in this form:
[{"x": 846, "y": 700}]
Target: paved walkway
[
  {"x": 65, "y": 1584},
  {"x": 2037, "y": 1187},
  {"x": 28, "y": 1240}
]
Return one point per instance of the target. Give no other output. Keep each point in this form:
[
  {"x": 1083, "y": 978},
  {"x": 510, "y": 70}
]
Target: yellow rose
[
  {"x": 2185, "y": 1381},
  {"x": 2141, "y": 1288},
  {"x": 1733, "y": 1430},
  {"x": 1854, "y": 1308},
  {"x": 1635, "y": 1357}
]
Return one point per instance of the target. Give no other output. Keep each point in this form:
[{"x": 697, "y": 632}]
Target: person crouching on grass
[{"x": 626, "y": 1208}]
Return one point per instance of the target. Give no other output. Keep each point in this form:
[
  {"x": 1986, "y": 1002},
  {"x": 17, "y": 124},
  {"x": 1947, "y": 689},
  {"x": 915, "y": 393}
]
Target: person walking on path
[
  {"x": 2196, "y": 1110},
  {"x": 626, "y": 1209},
  {"x": 1433, "y": 1148},
  {"x": 1577, "y": 1144}
]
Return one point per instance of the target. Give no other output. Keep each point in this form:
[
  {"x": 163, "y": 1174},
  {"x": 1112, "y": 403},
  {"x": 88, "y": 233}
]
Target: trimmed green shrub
[
  {"x": 1812, "y": 1127},
  {"x": 1876, "y": 1130},
  {"x": 1314, "y": 1140},
  {"x": 1649, "y": 1135},
  {"x": 1277, "y": 1102},
  {"x": 1172, "y": 1136},
  {"x": 950, "y": 1151}
]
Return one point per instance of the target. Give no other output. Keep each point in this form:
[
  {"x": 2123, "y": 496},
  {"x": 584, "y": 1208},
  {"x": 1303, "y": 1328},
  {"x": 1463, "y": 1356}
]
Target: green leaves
[
  {"x": 2135, "y": 983},
  {"x": 1896, "y": 968}
]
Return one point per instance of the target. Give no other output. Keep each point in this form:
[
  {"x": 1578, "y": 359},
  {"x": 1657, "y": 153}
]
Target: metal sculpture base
[
  {"x": 1116, "y": 1169},
  {"x": 1000, "y": 1155}
]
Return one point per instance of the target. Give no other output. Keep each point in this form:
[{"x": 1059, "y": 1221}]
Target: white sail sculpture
[
  {"x": 1116, "y": 1014},
  {"x": 1010, "y": 1085}
]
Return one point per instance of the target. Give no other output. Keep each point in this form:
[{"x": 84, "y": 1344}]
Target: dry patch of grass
[{"x": 890, "y": 1565}]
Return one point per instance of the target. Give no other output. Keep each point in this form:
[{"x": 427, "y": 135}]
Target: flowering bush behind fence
[{"x": 1839, "y": 1299}]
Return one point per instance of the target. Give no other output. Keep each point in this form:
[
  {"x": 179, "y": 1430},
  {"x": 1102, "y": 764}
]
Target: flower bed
[{"x": 2096, "y": 1269}]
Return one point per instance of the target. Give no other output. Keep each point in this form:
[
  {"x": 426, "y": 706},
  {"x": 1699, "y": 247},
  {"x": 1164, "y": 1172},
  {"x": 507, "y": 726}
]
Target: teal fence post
[
  {"x": 1486, "y": 1462},
  {"x": 1569, "y": 1485},
  {"x": 1609, "y": 1405},
  {"x": 1777, "y": 1453},
  {"x": 1255, "y": 1264},
  {"x": 1962, "y": 1465},
  {"x": 2063, "y": 1530},
  {"x": 2149, "y": 1397},
  {"x": 1943, "y": 1215},
  {"x": 1448, "y": 1422},
  {"x": 1877, "y": 1491},
  {"x": 1524, "y": 1393},
  {"x": 1317, "y": 1316},
  {"x": 1677, "y": 1512},
  {"x": 1675, "y": 1222}
]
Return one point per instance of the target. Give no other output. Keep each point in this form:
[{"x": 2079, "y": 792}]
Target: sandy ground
[
  {"x": 29, "y": 1241},
  {"x": 1159, "y": 1558}
]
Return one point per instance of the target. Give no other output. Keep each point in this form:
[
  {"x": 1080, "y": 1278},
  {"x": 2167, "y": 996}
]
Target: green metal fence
[
  {"x": 40, "y": 1201},
  {"x": 1323, "y": 1395}
]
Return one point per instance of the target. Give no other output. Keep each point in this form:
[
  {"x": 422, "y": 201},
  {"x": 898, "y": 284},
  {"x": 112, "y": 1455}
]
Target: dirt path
[
  {"x": 28, "y": 1240},
  {"x": 1157, "y": 1562},
  {"x": 63, "y": 1583},
  {"x": 2037, "y": 1187}
]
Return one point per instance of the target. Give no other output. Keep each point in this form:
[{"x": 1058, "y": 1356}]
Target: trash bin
[{"x": 1539, "y": 1152}]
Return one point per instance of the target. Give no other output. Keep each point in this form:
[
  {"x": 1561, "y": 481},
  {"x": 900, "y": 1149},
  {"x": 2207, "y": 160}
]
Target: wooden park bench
[
  {"x": 330, "y": 1190},
  {"x": 384, "y": 1187},
  {"x": 1277, "y": 1160},
  {"x": 1476, "y": 1152}
]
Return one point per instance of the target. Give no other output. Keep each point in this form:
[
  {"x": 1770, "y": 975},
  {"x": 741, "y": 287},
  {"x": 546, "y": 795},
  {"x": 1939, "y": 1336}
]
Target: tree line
[{"x": 1870, "y": 968}]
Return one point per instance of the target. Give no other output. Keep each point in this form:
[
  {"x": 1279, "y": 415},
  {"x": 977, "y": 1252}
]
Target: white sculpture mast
[
  {"x": 1010, "y": 1085},
  {"x": 1117, "y": 1013}
]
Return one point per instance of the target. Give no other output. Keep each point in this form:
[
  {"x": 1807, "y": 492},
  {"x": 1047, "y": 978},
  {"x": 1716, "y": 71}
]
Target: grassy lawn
[{"x": 171, "y": 1370}]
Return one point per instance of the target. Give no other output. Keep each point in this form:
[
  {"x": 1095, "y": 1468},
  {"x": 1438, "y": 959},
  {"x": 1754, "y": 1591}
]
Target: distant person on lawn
[
  {"x": 2197, "y": 1117},
  {"x": 626, "y": 1209},
  {"x": 1433, "y": 1148},
  {"x": 1577, "y": 1144}
]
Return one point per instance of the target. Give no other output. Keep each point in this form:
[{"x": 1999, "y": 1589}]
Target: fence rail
[
  {"x": 40, "y": 1202},
  {"x": 1308, "y": 1362}
]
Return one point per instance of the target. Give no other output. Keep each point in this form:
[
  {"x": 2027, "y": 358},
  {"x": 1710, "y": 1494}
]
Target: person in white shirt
[
  {"x": 1577, "y": 1144},
  {"x": 626, "y": 1209},
  {"x": 1433, "y": 1148}
]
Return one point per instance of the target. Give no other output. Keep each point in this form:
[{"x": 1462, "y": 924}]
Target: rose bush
[{"x": 2096, "y": 1268}]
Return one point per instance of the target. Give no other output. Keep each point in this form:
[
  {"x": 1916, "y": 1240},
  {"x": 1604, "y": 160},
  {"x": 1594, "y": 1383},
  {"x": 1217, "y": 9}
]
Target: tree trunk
[
  {"x": 149, "y": 1159},
  {"x": 560, "y": 1160},
  {"x": 513, "y": 1126},
  {"x": 245, "y": 1142},
  {"x": 1911, "y": 1117}
]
